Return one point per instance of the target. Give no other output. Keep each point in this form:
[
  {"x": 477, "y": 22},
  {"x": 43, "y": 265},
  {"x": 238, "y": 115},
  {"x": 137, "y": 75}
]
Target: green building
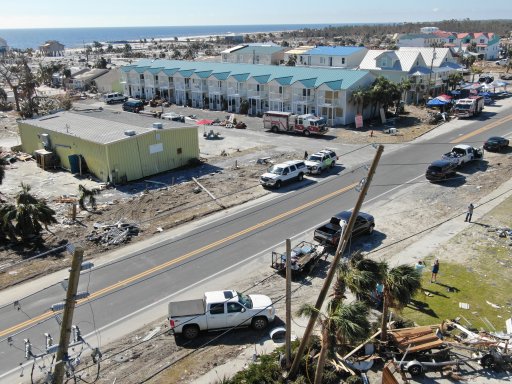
[{"x": 114, "y": 147}]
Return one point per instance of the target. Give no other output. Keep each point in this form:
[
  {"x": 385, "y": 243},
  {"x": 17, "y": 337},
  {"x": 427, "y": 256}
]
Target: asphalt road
[{"x": 234, "y": 241}]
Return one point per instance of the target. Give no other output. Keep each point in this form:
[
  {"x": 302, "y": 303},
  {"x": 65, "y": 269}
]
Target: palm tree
[
  {"x": 341, "y": 324},
  {"x": 360, "y": 98},
  {"x": 475, "y": 71},
  {"x": 27, "y": 216},
  {"x": 87, "y": 194},
  {"x": 400, "y": 285}
]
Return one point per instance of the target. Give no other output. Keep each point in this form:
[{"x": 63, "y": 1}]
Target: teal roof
[
  {"x": 154, "y": 71},
  {"x": 203, "y": 74},
  {"x": 310, "y": 77}
]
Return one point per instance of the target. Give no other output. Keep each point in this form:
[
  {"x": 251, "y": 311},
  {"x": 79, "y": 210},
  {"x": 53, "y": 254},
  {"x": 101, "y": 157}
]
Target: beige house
[
  {"x": 254, "y": 54},
  {"x": 52, "y": 48}
]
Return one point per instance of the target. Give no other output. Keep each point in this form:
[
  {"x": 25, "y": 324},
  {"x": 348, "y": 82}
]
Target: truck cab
[{"x": 310, "y": 124}]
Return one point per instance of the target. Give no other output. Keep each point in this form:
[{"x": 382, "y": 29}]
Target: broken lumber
[{"x": 209, "y": 193}]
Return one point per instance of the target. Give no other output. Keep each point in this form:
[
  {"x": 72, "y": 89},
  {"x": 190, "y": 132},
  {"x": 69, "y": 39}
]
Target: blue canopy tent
[{"x": 436, "y": 103}]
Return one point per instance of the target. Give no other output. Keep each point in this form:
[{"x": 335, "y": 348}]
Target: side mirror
[{"x": 243, "y": 310}]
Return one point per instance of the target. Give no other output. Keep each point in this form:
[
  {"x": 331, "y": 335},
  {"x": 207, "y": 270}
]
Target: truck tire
[
  {"x": 274, "y": 129},
  {"x": 300, "y": 177},
  {"x": 333, "y": 164},
  {"x": 415, "y": 370},
  {"x": 190, "y": 331},
  {"x": 370, "y": 230},
  {"x": 487, "y": 361},
  {"x": 306, "y": 132},
  {"x": 259, "y": 323},
  {"x": 278, "y": 184}
]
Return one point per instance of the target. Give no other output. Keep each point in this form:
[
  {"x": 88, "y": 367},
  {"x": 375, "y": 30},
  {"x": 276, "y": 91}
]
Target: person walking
[
  {"x": 306, "y": 155},
  {"x": 469, "y": 213},
  {"x": 435, "y": 271}
]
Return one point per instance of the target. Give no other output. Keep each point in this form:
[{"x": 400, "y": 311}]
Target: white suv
[
  {"x": 114, "y": 97},
  {"x": 318, "y": 162},
  {"x": 279, "y": 174}
]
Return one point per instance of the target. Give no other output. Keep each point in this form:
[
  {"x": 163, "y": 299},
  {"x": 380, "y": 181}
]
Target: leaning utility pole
[
  {"x": 332, "y": 270},
  {"x": 67, "y": 318}
]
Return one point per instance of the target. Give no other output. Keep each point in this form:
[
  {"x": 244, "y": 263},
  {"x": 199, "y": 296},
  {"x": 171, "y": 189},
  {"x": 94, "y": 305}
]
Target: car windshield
[
  {"x": 433, "y": 168},
  {"x": 494, "y": 140},
  {"x": 245, "y": 300},
  {"x": 276, "y": 170},
  {"x": 463, "y": 106},
  {"x": 315, "y": 158}
]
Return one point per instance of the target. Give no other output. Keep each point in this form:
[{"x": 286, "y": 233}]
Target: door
[
  {"x": 216, "y": 317},
  {"x": 237, "y": 315}
]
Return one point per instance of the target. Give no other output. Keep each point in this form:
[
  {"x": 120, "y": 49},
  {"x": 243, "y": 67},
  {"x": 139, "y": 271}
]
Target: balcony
[
  {"x": 252, "y": 93},
  {"x": 233, "y": 91},
  {"x": 278, "y": 96},
  {"x": 303, "y": 99}
]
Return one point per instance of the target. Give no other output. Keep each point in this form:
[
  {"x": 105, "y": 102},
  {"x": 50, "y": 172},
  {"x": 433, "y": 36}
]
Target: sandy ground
[{"x": 128, "y": 361}]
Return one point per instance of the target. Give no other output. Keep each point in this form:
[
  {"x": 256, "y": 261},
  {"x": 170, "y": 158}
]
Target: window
[
  {"x": 171, "y": 80},
  {"x": 257, "y": 87},
  {"x": 234, "y": 307},
  {"x": 306, "y": 92},
  {"x": 141, "y": 76},
  {"x": 179, "y": 151},
  {"x": 322, "y": 60},
  {"x": 281, "y": 90},
  {"x": 156, "y": 77},
  {"x": 342, "y": 60},
  {"x": 216, "y": 308},
  {"x": 187, "y": 82},
  {"x": 219, "y": 84}
]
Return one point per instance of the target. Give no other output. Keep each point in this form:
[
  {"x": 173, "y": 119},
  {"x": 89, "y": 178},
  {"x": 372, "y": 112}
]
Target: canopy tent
[
  {"x": 455, "y": 92},
  {"x": 204, "y": 122},
  {"x": 436, "y": 103}
]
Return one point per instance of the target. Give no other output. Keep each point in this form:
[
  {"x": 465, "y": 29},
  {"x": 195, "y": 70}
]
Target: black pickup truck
[{"x": 330, "y": 233}]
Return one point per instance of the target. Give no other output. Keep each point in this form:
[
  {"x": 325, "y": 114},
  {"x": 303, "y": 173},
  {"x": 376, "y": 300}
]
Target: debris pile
[{"x": 113, "y": 234}]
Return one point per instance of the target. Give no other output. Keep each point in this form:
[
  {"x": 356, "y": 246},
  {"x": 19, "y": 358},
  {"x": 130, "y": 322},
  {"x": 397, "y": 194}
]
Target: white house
[
  {"x": 253, "y": 54},
  {"x": 3, "y": 46},
  {"x": 327, "y": 56},
  {"x": 419, "y": 40},
  {"x": 52, "y": 48}
]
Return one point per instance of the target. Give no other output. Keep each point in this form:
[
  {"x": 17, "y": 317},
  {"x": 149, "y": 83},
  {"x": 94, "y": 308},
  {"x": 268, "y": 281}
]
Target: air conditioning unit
[
  {"x": 157, "y": 125},
  {"x": 130, "y": 132},
  {"x": 45, "y": 140}
]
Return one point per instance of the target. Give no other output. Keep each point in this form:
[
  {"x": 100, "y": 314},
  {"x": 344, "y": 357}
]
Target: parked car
[
  {"x": 496, "y": 144},
  {"x": 114, "y": 97},
  {"x": 173, "y": 116},
  {"x": 331, "y": 232},
  {"x": 440, "y": 170},
  {"x": 502, "y": 62},
  {"x": 279, "y": 174},
  {"x": 320, "y": 161},
  {"x": 506, "y": 76},
  {"x": 133, "y": 106}
]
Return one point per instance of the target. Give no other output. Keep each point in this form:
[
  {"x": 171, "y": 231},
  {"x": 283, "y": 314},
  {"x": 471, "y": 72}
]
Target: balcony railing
[{"x": 254, "y": 93}]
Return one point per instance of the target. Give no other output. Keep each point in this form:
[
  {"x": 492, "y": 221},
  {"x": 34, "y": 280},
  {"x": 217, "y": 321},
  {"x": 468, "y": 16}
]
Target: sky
[{"x": 126, "y": 13}]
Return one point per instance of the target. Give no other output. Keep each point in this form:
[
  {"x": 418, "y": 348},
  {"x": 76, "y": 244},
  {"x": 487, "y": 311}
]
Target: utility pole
[
  {"x": 332, "y": 270},
  {"x": 67, "y": 319},
  {"x": 288, "y": 335}
]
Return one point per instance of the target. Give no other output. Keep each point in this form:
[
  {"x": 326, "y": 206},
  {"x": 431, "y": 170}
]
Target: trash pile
[
  {"x": 11, "y": 157},
  {"x": 113, "y": 234}
]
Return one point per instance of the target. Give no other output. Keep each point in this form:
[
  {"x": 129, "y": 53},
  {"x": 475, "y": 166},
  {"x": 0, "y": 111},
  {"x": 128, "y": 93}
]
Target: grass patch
[{"x": 482, "y": 276}]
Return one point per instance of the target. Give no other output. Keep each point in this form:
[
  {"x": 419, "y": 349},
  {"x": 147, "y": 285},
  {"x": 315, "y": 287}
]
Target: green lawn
[{"x": 485, "y": 276}]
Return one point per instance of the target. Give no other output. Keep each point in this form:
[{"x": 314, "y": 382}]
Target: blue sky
[{"x": 119, "y": 13}]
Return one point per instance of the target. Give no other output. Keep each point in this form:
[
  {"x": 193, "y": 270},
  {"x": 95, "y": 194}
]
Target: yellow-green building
[{"x": 114, "y": 147}]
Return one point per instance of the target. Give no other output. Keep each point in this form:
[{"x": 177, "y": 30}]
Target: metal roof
[
  {"x": 313, "y": 76},
  {"x": 334, "y": 51},
  {"x": 102, "y": 127},
  {"x": 260, "y": 49}
]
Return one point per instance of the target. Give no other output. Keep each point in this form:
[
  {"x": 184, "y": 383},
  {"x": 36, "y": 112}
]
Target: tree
[
  {"x": 26, "y": 217},
  {"x": 400, "y": 285},
  {"x": 476, "y": 71},
  {"x": 292, "y": 61},
  {"x": 87, "y": 194},
  {"x": 101, "y": 63},
  {"x": 342, "y": 323},
  {"x": 454, "y": 79},
  {"x": 360, "y": 98}
]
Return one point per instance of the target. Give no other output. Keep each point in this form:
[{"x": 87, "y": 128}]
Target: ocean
[{"x": 78, "y": 37}]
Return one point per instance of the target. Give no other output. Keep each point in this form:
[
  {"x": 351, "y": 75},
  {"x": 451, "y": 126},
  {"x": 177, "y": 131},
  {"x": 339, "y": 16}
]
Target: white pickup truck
[
  {"x": 462, "y": 154},
  {"x": 220, "y": 310}
]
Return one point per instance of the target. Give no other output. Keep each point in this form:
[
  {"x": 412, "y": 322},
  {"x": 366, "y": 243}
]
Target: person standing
[
  {"x": 306, "y": 155},
  {"x": 469, "y": 213},
  {"x": 419, "y": 266},
  {"x": 435, "y": 271}
]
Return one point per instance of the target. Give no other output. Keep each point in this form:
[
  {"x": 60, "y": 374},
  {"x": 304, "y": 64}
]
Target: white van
[{"x": 114, "y": 97}]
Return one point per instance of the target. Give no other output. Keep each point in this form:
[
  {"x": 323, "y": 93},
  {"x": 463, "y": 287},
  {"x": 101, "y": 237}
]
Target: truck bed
[
  {"x": 302, "y": 255},
  {"x": 326, "y": 232},
  {"x": 186, "y": 308}
]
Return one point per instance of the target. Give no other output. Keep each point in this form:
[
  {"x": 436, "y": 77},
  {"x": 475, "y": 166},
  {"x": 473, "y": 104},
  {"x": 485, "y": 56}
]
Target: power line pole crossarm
[
  {"x": 332, "y": 270},
  {"x": 67, "y": 318}
]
